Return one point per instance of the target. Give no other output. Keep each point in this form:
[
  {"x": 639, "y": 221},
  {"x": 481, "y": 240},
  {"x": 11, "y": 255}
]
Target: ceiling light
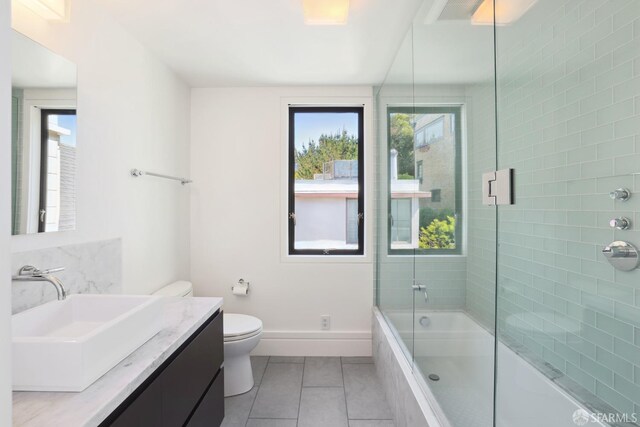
[
  {"x": 51, "y": 10},
  {"x": 325, "y": 12},
  {"x": 507, "y": 11}
]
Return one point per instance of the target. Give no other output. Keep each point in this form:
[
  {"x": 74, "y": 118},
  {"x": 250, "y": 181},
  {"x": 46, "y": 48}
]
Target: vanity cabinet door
[
  {"x": 183, "y": 390},
  {"x": 210, "y": 412},
  {"x": 186, "y": 379},
  {"x": 145, "y": 410}
]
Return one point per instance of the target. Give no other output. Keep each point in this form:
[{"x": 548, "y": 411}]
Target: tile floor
[{"x": 311, "y": 392}]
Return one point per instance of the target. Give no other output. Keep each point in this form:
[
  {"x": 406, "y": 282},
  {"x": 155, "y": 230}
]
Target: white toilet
[{"x": 241, "y": 335}]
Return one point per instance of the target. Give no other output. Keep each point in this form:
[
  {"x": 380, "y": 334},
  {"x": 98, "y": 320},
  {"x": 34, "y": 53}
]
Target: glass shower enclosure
[{"x": 521, "y": 313}]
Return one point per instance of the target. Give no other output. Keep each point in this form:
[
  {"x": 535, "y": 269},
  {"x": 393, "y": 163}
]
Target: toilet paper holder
[{"x": 242, "y": 284}]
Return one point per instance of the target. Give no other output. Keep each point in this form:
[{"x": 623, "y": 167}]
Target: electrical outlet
[{"x": 325, "y": 323}]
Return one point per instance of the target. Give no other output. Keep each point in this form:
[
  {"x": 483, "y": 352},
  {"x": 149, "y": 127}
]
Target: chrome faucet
[{"x": 29, "y": 273}]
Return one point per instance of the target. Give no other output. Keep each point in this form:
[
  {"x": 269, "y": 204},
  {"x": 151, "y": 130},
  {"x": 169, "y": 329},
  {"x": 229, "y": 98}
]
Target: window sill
[
  {"x": 326, "y": 259},
  {"x": 427, "y": 255}
]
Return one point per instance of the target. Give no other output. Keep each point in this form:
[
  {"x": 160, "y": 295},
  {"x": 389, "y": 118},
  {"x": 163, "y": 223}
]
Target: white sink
[{"x": 67, "y": 345}]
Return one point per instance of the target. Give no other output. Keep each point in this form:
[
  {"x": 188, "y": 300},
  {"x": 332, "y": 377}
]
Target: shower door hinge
[{"x": 497, "y": 188}]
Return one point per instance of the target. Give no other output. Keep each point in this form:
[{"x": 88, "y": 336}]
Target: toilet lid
[{"x": 236, "y": 325}]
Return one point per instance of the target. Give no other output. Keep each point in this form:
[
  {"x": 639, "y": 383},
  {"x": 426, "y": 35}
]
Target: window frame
[
  {"x": 457, "y": 111},
  {"x": 44, "y": 159},
  {"x": 292, "y": 251}
]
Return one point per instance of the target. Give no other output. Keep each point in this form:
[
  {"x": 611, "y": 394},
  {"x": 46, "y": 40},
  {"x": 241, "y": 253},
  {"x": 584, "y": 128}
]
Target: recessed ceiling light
[
  {"x": 507, "y": 11},
  {"x": 325, "y": 12},
  {"x": 51, "y": 10}
]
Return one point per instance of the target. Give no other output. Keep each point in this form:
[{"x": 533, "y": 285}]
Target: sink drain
[{"x": 434, "y": 377}]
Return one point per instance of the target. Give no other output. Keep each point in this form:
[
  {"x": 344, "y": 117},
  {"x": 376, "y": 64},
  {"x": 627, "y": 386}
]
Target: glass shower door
[
  {"x": 436, "y": 241},
  {"x": 396, "y": 231},
  {"x": 452, "y": 126},
  {"x": 569, "y": 124}
]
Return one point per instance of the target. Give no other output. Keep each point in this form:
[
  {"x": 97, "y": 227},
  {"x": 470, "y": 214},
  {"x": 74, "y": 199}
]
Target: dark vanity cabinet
[{"x": 186, "y": 390}]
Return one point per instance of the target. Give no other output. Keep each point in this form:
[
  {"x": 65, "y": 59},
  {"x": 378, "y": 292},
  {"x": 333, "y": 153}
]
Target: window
[
  {"x": 430, "y": 131},
  {"x": 401, "y": 216},
  {"x": 57, "y": 170},
  {"x": 425, "y": 180},
  {"x": 435, "y": 130},
  {"x": 420, "y": 138},
  {"x": 326, "y": 181}
]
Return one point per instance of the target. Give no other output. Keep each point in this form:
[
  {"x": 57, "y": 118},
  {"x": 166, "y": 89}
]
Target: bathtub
[{"x": 460, "y": 352}]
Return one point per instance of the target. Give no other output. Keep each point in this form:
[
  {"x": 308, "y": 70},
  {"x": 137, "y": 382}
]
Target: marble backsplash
[{"x": 90, "y": 268}]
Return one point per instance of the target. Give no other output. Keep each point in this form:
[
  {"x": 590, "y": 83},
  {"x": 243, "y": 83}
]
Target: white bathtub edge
[{"x": 427, "y": 411}]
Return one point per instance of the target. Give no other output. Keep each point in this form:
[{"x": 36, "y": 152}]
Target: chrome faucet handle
[
  {"x": 622, "y": 255},
  {"x": 29, "y": 273},
  {"x": 28, "y": 270},
  {"x": 621, "y": 194},
  {"x": 621, "y": 223},
  {"x": 51, "y": 270}
]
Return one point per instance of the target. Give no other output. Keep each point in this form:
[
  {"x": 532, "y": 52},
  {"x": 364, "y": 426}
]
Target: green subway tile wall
[{"x": 568, "y": 77}]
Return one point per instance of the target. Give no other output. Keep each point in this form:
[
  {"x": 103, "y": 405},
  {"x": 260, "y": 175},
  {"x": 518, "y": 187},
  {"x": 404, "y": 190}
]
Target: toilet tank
[{"x": 181, "y": 288}]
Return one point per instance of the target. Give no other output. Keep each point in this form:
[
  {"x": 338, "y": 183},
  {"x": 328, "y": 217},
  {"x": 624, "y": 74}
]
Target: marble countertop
[{"x": 183, "y": 316}]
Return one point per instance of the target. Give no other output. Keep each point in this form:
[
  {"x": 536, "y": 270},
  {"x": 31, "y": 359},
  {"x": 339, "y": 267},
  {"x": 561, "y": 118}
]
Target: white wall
[
  {"x": 238, "y": 217},
  {"x": 5, "y": 217},
  {"x": 133, "y": 112}
]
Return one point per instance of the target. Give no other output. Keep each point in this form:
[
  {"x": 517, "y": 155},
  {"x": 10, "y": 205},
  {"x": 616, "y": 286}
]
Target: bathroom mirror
[{"x": 43, "y": 139}]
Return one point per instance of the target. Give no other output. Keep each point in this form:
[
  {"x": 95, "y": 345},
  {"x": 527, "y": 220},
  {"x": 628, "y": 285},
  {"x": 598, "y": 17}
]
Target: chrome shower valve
[{"x": 622, "y": 223}]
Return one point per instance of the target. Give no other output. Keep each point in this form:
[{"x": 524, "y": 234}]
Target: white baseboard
[{"x": 314, "y": 343}]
